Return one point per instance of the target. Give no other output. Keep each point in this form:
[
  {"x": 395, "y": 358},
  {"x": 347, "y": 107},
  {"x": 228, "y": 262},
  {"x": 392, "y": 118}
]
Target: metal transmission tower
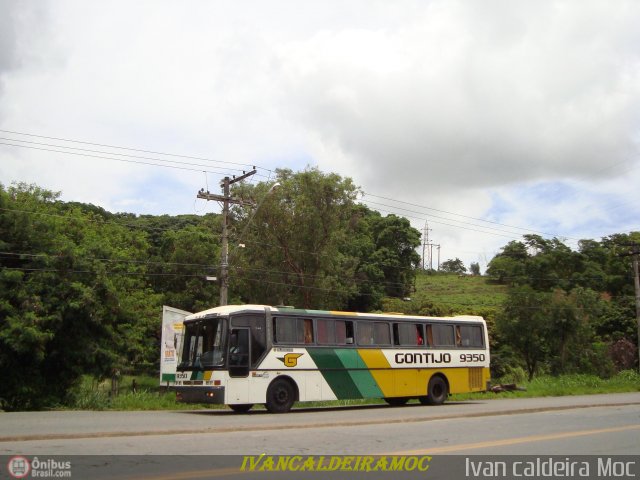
[
  {"x": 226, "y": 200},
  {"x": 425, "y": 242}
]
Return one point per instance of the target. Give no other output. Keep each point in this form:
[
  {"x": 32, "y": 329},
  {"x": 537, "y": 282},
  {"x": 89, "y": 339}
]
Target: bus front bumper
[{"x": 200, "y": 395}]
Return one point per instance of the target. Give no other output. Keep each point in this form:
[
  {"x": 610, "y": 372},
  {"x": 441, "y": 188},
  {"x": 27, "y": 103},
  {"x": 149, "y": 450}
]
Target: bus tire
[
  {"x": 241, "y": 407},
  {"x": 280, "y": 396},
  {"x": 437, "y": 391},
  {"x": 396, "y": 401}
]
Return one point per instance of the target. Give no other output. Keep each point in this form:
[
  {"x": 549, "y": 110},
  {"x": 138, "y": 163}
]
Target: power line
[
  {"x": 424, "y": 207},
  {"x": 138, "y": 162},
  {"x": 430, "y": 217},
  {"x": 124, "y": 148},
  {"x": 512, "y": 236},
  {"x": 102, "y": 152}
]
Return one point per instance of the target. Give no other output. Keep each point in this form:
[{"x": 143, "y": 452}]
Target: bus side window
[
  {"x": 458, "y": 336},
  {"x": 419, "y": 334},
  {"x": 325, "y": 331},
  {"x": 349, "y": 331},
  {"x": 308, "y": 330},
  {"x": 365, "y": 333},
  {"x": 443, "y": 335},
  {"x": 407, "y": 334},
  {"x": 381, "y": 333},
  {"x": 285, "y": 330},
  {"x": 472, "y": 336},
  {"x": 344, "y": 332},
  {"x": 429, "y": 335}
]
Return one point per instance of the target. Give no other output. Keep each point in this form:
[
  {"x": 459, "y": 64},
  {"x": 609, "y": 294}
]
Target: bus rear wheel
[
  {"x": 241, "y": 407},
  {"x": 437, "y": 392},
  {"x": 280, "y": 396},
  {"x": 396, "y": 401}
]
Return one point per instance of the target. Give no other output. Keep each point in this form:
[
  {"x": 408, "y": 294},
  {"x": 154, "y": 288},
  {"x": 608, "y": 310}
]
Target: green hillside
[{"x": 451, "y": 294}]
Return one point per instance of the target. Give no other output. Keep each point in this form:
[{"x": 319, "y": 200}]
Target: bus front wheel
[
  {"x": 280, "y": 396},
  {"x": 437, "y": 392}
]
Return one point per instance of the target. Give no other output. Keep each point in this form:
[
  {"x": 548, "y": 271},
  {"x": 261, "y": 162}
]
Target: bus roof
[{"x": 229, "y": 309}]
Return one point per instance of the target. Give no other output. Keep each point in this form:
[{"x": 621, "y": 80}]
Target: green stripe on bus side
[
  {"x": 356, "y": 366},
  {"x": 366, "y": 384},
  {"x": 334, "y": 372}
]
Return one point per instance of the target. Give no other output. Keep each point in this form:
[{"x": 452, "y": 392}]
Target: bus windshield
[{"x": 203, "y": 344}]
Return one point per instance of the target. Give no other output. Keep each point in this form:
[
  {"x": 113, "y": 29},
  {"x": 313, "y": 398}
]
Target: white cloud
[{"x": 463, "y": 106}]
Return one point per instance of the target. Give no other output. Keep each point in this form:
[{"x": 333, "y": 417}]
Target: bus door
[
  {"x": 239, "y": 364},
  {"x": 239, "y": 352}
]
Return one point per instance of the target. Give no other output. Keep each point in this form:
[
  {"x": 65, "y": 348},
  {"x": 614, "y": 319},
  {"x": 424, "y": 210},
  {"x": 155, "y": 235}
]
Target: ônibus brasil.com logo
[{"x": 18, "y": 467}]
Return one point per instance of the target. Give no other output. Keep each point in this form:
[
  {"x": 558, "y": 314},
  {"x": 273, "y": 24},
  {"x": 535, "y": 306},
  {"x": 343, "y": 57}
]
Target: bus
[{"x": 242, "y": 355}]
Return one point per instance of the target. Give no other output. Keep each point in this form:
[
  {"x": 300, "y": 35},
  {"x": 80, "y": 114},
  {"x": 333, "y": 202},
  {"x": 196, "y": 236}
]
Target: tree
[
  {"x": 294, "y": 242},
  {"x": 453, "y": 266},
  {"x": 72, "y": 300},
  {"x": 395, "y": 253},
  {"x": 310, "y": 244},
  {"x": 525, "y": 327}
]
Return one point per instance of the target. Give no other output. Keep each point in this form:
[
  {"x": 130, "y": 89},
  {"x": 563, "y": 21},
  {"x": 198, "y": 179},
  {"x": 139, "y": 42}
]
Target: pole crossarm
[
  {"x": 221, "y": 198},
  {"x": 240, "y": 178}
]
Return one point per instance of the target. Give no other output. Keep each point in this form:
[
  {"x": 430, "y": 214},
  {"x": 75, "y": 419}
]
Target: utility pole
[
  {"x": 635, "y": 252},
  {"x": 226, "y": 200},
  {"x": 636, "y": 281}
]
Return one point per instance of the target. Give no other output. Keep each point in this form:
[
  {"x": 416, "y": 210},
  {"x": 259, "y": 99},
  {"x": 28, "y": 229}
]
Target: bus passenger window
[
  {"x": 365, "y": 333},
  {"x": 429, "y": 336},
  {"x": 396, "y": 334},
  {"x": 308, "y": 330},
  {"x": 285, "y": 330},
  {"x": 410, "y": 334},
  {"x": 419, "y": 335},
  {"x": 471, "y": 336},
  {"x": 381, "y": 333},
  {"x": 326, "y": 332},
  {"x": 344, "y": 332},
  {"x": 443, "y": 335}
]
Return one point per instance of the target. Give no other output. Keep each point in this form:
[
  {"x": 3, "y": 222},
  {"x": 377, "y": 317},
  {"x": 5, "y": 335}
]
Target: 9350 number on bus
[{"x": 472, "y": 357}]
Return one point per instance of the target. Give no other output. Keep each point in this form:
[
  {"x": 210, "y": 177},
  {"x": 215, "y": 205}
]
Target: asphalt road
[{"x": 581, "y": 425}]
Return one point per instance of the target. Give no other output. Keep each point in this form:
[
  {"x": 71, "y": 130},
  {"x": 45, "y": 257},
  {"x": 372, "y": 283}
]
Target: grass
[
  {"x": 92, "y": 395},
  {"x": 575, "y": 384},
  {"x": 95, "y": 396},
  {"x": 450, "y": 294}
]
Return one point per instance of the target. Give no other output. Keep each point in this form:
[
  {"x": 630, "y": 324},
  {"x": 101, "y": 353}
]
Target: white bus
[{"x": 243, "y": 355}]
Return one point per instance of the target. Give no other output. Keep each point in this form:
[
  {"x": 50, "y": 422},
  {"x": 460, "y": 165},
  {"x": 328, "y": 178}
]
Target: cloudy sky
[{"x": 487, "y": 119}]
